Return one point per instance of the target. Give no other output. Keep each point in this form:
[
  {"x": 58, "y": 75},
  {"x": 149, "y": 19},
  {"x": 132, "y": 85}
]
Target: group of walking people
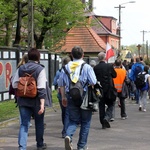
[{"x": 110, "y": 76}]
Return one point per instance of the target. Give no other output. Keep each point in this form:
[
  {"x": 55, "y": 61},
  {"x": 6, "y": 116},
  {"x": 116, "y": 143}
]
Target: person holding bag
[
  {"x": 119, "y": 82},
  {"x": 104, "y": 74}
]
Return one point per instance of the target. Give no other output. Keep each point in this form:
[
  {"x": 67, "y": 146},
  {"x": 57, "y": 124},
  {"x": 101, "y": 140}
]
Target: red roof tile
[{"x": 82, "y": 36}]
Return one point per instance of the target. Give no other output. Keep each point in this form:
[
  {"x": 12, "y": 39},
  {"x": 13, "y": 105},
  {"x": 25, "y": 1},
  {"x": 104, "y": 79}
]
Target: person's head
[
  {"x": 92, "y": 63},
  {"x": 146, "y": 68},
  {"x": 141, "y": 58},
  {"x": 132, "y": 60},
  {"x": 34, "y": 54},
  {"x": 77, "y": 52},
  {"x": 118, "y": 63},
  {"x": 23, "y": 60},
  {"x": 137, "y": 59},
  {"x": 65, "y": 60},
  {"x": 101, "y": 56}
]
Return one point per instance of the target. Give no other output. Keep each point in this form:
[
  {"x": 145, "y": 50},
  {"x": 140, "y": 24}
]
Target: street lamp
[{"x": 120, "y": 6}]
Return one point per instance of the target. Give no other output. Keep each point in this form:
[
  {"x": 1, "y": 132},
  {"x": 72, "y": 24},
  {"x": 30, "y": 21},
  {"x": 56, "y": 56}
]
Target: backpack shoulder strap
[
  {"x": 67, "y": 73},
  {"x": 82, "y": 67}
]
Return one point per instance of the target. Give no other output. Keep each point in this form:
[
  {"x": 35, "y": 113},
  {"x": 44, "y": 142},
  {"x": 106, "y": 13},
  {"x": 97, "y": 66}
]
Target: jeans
[
  {"x": 137, "y": 95},
  {"x": 78, "y": 116},
  {"x": 25, "y": 114},
  {"x": 64, "y": 115},
  {"x": 143, "y": 99}
]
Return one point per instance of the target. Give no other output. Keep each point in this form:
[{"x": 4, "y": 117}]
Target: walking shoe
[
  {"x": 144, "y": 110},
  {"x": 112, "y": 119},
  {"x": 105, "y": 124},
  {"x": 68, "y": 144},
  {"x": 43, "y": 147},
  {"x": 123, "y": 118},
  {"x": 140, "y": 108}
]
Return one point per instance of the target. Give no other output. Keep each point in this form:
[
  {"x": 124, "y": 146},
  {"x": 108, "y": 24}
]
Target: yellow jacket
[{"x": 118, "y": 81}]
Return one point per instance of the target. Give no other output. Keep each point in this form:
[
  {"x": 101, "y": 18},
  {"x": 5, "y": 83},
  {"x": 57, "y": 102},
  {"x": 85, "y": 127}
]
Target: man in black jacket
[{"x": 104, "y": 73}]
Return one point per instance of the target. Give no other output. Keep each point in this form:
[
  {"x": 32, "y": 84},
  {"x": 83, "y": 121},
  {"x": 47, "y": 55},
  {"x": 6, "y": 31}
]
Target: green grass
[{"x": 9, "y": 110}]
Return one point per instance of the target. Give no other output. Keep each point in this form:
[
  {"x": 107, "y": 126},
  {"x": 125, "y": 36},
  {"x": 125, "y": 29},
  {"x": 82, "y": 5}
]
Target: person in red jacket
[{"x": 118, "y": 83}]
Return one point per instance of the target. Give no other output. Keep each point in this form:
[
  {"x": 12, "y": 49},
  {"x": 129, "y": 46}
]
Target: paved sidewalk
[{"x": 130, "y": 134}]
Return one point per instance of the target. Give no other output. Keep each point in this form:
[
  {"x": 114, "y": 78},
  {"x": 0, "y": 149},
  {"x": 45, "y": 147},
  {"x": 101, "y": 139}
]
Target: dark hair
[
  {"x": 34, "y": 54},
  {"x": 77, "y": 52},
  {"x": 118, "y": 62},
  {"x": 137, "y": 59},
  {"x": 65, "y": 60},
  {"x": 146, "y": 68},
  {"x": 141, "y": 58}
]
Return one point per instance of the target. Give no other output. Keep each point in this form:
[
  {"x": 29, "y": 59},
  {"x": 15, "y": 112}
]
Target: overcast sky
[{"x": 135, "y": 17}]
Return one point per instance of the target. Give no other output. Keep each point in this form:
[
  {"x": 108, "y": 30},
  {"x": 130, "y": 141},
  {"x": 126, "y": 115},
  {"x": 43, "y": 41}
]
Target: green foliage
[
  {"x": 147, "y": 62},
  {"x": 9, "y": 110}
]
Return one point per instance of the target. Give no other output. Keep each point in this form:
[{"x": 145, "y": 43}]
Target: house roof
[
  {"x": 100, "y": 28},
  {"x": 83, "y": 36}
]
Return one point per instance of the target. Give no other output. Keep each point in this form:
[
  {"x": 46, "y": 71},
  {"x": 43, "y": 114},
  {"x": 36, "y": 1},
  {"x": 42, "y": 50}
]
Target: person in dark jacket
[
  {"x": 32, "y": 106},
  {"x": 104, "y": 73}
]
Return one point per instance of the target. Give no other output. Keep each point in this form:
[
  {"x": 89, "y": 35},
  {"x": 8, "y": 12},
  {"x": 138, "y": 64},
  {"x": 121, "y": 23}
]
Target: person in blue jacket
[
  {"x": 135, "y": 70},
  {"x": 64, "y": 114}
]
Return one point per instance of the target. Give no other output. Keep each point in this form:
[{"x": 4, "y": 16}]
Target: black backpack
[
  {"x": 140, "y": 80},
  {"x": 75, "y": 89}
]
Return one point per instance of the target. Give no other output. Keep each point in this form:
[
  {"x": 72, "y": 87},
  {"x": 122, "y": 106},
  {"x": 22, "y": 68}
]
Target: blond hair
[{"x": 23, "y": 60}]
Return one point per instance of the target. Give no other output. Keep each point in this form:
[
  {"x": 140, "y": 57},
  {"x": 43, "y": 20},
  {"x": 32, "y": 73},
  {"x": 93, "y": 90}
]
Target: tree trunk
[{"x": 19, "y": 19}]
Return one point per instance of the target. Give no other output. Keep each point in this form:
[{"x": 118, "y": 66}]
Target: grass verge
[{"x": 8, "y": 109}]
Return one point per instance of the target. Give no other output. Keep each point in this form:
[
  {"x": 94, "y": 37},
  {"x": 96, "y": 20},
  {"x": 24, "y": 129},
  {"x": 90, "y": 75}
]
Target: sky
[{"x": 135, "y": 18}]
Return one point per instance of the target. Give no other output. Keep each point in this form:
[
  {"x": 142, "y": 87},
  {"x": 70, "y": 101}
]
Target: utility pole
[
  {"x": 30, "y": 25},
  {"x": 120, "y": 6},
  {"x": 120, "y": 25},
  {"x": 143, "y": 47}
]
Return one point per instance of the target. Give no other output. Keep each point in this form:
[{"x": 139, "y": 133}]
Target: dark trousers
[
  {"x": 122, "y": 106},
  {"x": 105, "y": 113}
]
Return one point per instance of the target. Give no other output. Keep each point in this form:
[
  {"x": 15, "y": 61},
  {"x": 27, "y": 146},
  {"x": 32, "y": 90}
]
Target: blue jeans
[
  {"x": 25, "y": 114},
  {"x": 137, "y": 95},
  {"x": 64, "y": 115},
  {"x": 78, "y": 116}
]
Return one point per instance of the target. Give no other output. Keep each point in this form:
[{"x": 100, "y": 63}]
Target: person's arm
[
  {"x": 41, "y": 86},
  {"x": 61, "y": 86}
]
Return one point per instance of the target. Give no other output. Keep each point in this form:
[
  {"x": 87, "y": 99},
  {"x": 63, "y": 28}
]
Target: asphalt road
[{"x": 130, "y": 134}]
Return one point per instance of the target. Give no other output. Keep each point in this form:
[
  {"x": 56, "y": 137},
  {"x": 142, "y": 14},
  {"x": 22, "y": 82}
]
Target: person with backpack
[
  {"x": 29, "y": 106},
  {"x": 137, "y": 67},
  {"x": 80, "y": 73},
  {"x": 144, "y": 87},
  {"x": 64, "y": 111}
]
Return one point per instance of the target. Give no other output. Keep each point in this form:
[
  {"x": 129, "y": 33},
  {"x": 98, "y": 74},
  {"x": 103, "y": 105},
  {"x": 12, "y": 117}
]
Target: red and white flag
[{"x": 109, "y": 51}]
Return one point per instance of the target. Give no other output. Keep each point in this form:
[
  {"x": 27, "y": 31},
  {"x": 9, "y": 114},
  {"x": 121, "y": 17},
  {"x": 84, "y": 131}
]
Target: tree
[
  {"x": 7, "y": 17},
  {"x": 52, "y": 18}
]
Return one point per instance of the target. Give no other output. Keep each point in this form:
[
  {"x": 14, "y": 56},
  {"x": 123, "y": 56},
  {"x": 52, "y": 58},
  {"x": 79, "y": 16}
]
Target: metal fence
[{"x": 10, "y": 57}]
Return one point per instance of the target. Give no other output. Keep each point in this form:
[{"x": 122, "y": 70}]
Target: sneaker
[
  {"x": 123, "y": 118},
  {"x": 112, "y": 119},
  {"x": 43, "y": 147},
  {"x": 144, "y": 110},
  {"x": 68, "y": 144},
  {"x": 140, "y": 108}
]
